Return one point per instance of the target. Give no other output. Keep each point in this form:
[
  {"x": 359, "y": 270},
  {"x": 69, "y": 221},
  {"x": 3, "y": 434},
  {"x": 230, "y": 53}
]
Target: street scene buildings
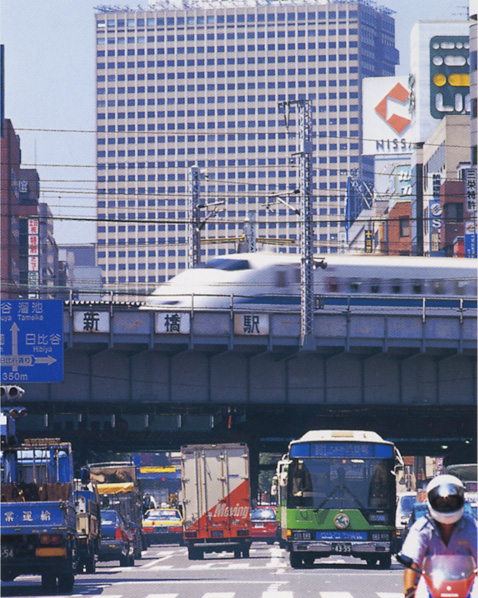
[{"x": 212, "y": 91}]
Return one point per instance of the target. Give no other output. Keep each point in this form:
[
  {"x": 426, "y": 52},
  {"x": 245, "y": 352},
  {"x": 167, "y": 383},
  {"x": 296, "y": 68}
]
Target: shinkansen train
[{"x": 268, "y": 280}]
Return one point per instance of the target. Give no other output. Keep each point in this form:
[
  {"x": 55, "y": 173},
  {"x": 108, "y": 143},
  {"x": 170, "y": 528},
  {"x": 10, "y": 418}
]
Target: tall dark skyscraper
[{"x": 201, "y": 85}]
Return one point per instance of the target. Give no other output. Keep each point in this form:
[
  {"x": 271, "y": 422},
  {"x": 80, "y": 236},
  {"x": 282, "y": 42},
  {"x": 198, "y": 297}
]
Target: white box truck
[{"x": 216, "y": 499}]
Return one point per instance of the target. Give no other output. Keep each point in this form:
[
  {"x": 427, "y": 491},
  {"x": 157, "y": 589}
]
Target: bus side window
[
  {"x": 281, "y": 278},
  {"x": 396, "y": 286},
  {"x": 355, "y": 285},
  {"x": 460, "y": 287},
  {"x": 332, "y": 284},
  {"x": 417, "y": 287},
  {"x": 438, "y": 287},
  {"x": 375, "y": 286}
]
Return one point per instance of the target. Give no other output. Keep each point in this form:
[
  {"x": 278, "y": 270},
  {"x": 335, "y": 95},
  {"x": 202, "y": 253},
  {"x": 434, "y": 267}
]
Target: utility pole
[
  {"x": 304, "y": 154},
  {"x": 250, "y": 232},
  {"x": 194, "y": 222},
  {"x": 193, "y": 219}
]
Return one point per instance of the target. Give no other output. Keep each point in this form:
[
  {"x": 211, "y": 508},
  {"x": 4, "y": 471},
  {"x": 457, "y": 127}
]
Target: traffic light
[
  {"x": 15, "y": 412},
  {"x": 11, "y": 392}
]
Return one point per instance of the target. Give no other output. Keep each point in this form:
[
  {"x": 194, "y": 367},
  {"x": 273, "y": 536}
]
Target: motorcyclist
[{"x": 444, "y": 530}]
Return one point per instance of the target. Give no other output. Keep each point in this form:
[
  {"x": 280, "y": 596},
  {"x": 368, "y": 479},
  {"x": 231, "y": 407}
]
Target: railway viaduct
[{"x": 137, "y": 379}]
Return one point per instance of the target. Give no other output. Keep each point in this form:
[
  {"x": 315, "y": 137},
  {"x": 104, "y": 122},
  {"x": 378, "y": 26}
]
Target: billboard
[
  {"x": 449, "y": 75},
  {"x": 386, "y": 117},
  {"x": 439, "y": 74}
]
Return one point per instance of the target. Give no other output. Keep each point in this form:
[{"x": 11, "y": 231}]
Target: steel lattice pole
[
  {"x": 193, "y": 219},
  {"x": 306, "y": 229}
]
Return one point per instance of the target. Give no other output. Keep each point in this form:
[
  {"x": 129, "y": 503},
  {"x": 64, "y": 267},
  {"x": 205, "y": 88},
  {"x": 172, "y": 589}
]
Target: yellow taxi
[{"x": 163, "y": 526}]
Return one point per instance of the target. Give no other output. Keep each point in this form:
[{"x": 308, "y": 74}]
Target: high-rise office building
[{"x": 200, "y": 85}]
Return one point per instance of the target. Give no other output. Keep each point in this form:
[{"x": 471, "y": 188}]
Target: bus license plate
[{"x": 342, "y": 548}]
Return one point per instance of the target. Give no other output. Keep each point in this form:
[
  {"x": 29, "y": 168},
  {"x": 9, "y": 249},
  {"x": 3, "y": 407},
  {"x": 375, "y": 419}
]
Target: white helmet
[{"x": 446, "y": 498}]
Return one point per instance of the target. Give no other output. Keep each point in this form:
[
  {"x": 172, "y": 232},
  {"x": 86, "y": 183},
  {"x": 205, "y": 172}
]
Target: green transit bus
[{"x": 336, "y": 495}]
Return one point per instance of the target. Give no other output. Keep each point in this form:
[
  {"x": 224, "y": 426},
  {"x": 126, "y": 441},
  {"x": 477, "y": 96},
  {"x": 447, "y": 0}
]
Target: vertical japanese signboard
[
  {"x": 368, "y": 241},
  {"x": 31, "y": 348},
  {"x": 33, "y": 258},
  {"x": 435, "y": 216},
  {"x": 470, "y": 225}
]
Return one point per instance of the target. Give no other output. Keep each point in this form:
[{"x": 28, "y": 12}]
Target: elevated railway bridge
[{"x": 144, "y": 379}]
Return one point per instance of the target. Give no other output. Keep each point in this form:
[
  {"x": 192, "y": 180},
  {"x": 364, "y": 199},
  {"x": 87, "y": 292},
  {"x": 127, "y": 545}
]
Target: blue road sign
[
  {"x": 470, "y": 239},
  {"x": 31, "y": 340}
]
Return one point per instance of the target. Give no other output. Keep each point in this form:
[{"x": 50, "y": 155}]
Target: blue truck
[
  {"x": 38, "y": 515},
  {"x": 88, "y": 522}
]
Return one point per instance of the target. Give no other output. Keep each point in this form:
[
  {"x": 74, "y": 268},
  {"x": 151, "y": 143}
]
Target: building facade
[
  {"x": 474, "y": 80},
  {"x": 9, "y": 198},
  {"x": 29, "y": 256},
  {"x": 184, "y": 87},
  {"x": 445, "y": 163}
]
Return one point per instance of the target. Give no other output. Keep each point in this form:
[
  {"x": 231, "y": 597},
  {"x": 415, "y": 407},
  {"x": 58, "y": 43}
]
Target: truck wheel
[
  {"x": 237, "y": 553},
  {"x": 245, "y": 552},
  {"x": 296, "y": 561},
  {"x": 66, "y": 581},
  {"x": 48, "y": 582},
  {"x": 195, "y": 554},
  {"x": 90, "y": 564},
  {"x": 123, "y": 559}
]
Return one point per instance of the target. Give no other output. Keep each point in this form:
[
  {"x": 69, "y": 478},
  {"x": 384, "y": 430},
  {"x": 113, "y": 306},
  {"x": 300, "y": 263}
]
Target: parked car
[
  {"x": 405, "y": 503},
  {"x": 264, "y": 526},
  {"x": 163, "y": 526},
  {"x": 116, "y": 539},
  {"x": 420, "y": 509}
]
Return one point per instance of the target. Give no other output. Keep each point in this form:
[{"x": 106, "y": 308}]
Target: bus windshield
[{"x": 341, "y": 483}]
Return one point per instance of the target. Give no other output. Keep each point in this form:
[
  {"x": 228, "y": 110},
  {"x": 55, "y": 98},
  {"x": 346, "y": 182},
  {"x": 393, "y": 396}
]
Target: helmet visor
[{"x": 446, "y": 498}]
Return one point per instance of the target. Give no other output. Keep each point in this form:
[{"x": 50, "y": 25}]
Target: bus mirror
[{"x": 274, "y": 484}]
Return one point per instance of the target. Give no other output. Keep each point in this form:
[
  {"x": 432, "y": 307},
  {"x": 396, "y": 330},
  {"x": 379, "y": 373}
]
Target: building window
[
  {"x": 453, "y": 212},
  {"x": 404, "y": 226}
]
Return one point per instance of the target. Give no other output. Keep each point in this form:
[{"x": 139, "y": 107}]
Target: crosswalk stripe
[
  {"x": 219, "y": 595},
  {"x": 161, "y": 568},
  {"x": 389, "y": 594}
]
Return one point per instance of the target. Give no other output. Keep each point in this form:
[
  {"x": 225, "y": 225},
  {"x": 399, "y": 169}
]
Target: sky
[{"x": 50, "y": 94}]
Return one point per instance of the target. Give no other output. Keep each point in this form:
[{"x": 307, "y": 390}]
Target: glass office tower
[{"x": 200, "y": 85}]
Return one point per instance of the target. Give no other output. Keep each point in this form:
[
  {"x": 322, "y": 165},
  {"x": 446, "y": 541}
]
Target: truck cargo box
[{"x": 216, "y": 499}]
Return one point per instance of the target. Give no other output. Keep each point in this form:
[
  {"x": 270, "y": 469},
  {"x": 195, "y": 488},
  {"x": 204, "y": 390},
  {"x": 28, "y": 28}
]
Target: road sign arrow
[{"x": 48, "y": 360}]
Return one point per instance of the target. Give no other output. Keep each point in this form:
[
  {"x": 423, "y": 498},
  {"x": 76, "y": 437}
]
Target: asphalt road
[{"x": 166, "y": 572}]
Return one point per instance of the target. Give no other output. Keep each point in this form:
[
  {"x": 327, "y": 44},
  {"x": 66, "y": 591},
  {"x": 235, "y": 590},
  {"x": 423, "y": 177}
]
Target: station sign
[
  {"x": 172, "y": 323},
  {"x": 91, "y": 321},
  {"x": 251, "y": 324}
]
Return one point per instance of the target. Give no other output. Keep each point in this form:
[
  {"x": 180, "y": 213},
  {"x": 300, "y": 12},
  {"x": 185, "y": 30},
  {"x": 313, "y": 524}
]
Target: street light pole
[{"x": 306, "y": 231}]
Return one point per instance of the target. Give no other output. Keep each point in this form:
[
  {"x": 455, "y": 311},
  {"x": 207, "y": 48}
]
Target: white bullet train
[{"x": 272, "y": 280}]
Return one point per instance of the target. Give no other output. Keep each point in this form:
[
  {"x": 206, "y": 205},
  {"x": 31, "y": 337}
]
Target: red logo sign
[{"x": 397, "y": 122}]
